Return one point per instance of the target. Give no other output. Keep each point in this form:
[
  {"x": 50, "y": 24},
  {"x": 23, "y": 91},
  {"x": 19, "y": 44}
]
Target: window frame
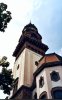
[
  {"x": 42, "y": 94},
  {"x": 41, "y": 80},
  {"x": 53, "y": 78},
  {"x": 55, "y": 89},
  {"x": 18, "y": 67}
]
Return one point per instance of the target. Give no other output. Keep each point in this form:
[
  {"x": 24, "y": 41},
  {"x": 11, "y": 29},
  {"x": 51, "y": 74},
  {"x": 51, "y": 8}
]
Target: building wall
[
  {"x": 40, "y": 90},
  {"x": 30, "y": 67},
  {"x": 48, "y": 83},
  {"x": 11, "y": 93},
  {"x": 26, "y": 62},
  {"x": 20, "y": 71},
  {"x": 33, "y": 93}
]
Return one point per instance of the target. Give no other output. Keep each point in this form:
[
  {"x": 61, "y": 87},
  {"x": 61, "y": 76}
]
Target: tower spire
[{"x": 30, "y": 21}]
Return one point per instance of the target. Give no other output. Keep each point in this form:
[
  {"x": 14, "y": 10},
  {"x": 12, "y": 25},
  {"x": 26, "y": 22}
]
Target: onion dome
[
  {"x": 30, "y": 27},
  {"x": 31, "y": 31}
]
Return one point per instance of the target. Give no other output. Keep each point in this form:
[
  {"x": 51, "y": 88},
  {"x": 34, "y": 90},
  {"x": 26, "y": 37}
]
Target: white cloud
[
  {"x": 21, "y": 15},
  {"x": 22, "y": 9}
]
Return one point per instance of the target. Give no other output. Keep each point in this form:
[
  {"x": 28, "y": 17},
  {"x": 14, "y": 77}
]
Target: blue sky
[
  {"x": 49, "y": 23},
  {"x": 45, "y": 14}
]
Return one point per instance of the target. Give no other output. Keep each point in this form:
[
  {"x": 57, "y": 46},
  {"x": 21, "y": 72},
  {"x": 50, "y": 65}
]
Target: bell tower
[{"x": 29, "y": 50}]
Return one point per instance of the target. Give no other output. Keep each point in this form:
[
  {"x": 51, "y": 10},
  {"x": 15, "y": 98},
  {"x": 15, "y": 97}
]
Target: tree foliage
[
  {"x": 6, "y": 78},
  {"x": 5, "y": 17}
]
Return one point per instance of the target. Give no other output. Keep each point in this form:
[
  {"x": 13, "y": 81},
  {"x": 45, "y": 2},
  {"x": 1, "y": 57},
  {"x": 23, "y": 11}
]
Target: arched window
[
  {"x": 57, "y": 93},
  {"x": 43, "y": 95}
]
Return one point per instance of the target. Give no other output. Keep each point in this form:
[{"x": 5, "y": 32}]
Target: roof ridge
[{"x": 57, "y": 55}]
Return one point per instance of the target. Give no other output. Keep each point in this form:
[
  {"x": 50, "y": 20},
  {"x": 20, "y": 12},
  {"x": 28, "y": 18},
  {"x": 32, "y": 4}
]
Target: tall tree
[
  {"x": 6, "y": 78},
  {"x": 5, "y": 17}
]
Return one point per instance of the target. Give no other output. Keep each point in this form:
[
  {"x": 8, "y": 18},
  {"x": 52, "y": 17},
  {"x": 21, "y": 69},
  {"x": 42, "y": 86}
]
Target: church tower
[{"x": 28, "y": 51}]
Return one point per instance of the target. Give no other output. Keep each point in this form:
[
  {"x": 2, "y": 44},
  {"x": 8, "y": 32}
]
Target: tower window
[
  {"x": 18, "y": 67},
  {"x": 55, "y": 76},
  {"x": 36, "y": 63},
  {"x": 41, "y": 82}
]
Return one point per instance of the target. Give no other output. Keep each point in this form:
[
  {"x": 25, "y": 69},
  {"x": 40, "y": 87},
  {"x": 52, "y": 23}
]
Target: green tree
[
  {"x": 5, "y": 17},
  {"x": 6, "y": 78}
]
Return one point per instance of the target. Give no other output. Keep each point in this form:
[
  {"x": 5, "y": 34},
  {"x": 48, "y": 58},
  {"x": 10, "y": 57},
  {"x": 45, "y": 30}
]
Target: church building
[{"x": 37, "y": 75}]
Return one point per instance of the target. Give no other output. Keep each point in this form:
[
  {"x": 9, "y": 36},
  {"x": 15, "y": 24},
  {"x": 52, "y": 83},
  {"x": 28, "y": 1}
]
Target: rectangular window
[
  {"x": 41, "y": 82},
  {"x": 18, "y": 67}
]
